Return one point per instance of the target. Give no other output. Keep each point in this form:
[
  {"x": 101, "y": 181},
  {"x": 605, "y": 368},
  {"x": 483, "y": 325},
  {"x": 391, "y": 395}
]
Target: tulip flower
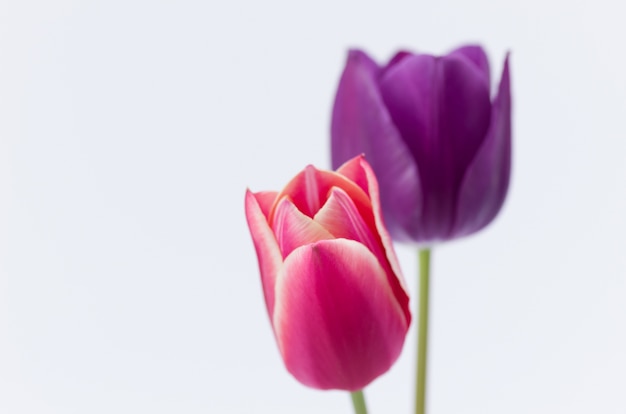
[
  {"x": 332, "y": 284},
  {"x": 441, "y": 149}
]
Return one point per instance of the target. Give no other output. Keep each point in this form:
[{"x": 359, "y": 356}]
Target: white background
[{"x": 129, "y": 131}]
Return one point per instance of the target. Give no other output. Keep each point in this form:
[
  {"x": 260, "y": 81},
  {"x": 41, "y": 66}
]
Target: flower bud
[{"x": 332, "y": 283}]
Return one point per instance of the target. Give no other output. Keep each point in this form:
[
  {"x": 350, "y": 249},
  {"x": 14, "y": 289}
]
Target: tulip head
[
  {"x": 334, "y": 292},
  {"x": 441, "y": 149}
]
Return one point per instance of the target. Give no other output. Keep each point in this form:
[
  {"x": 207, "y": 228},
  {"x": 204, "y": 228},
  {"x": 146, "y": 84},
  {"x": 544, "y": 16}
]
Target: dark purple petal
[
  {"x": 361, "y": 125},
  {"x": 477, "y": 56},
  {"x": 397, "y": 58},
  {"x": 441, "y": 108},
  {"x": 486, "y": 182}
]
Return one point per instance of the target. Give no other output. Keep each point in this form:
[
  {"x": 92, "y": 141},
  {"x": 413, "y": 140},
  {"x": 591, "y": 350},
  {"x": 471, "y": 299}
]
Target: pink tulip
[{"x": 332, "y": 283}]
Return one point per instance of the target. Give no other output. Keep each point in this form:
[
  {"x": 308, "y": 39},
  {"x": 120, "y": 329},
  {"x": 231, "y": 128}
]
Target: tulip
[
  {"x": 332, "y": 284},
  {"x": 440, "y": 148}
]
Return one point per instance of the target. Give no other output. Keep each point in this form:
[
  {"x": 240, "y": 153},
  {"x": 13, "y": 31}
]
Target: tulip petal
[
  {"x": 341, "y": 218},
  {"x": 294, "y": 229},
  {"x": 337, "y": 322},
  {"x": 374, "y": 192},
  {"x": 486, "y": 182},
  {"x": 478, "y": 57},
  {"x": 266, "y": 200},
  {"x": 268, "y": 254},
  {"x": 401, "y": 54},
  {"x": 441, "y": 107},
  {"x": 310, "y": 189},
  {"x": 362, "y": 125},
  {"x": 398, "y": 284},
  {"x": 354, "y": 172},
  {"x": 359, "y": 171}
]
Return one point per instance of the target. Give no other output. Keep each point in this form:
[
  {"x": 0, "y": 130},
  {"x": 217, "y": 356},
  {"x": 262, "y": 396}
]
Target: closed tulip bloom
[
  {"x": 332, "y": 283},
  {"x": 440, "y": 147}
]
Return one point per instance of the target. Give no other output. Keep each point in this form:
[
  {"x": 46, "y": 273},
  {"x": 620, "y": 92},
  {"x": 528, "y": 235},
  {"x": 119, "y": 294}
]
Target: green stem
[
  {"x": 358, "y": 400},
  {"x": 422, "y": 335}
]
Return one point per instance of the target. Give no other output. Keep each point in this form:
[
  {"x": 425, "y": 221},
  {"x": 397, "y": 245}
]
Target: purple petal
[
  {"x": 486, "y": 182},
  {"x": 361, "y": 125},
  {"x": 441, "y": 108},
  {"x": 337, "y": 322},
  {"x": 397, "y": 58},
  {"x": 477, "y": 56}
]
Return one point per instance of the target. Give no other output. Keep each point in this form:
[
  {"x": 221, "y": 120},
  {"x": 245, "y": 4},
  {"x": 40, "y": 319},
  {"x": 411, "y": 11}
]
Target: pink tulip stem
[
  {"x": 358, "y": 401},
  {"x": 422, "y": 334}
]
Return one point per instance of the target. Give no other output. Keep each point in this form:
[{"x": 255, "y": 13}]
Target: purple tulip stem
[
  {"x": 422, "y": 333},
  {"x": 358, "y": 401}
]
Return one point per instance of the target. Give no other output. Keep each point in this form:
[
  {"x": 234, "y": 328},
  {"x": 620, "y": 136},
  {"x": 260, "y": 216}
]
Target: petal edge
[
  {"x": 268, "y": 254},
  {"x": 486, "y": 181}
]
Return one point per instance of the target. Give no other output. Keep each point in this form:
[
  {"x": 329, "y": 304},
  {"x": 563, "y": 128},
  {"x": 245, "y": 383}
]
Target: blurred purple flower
[{"x": 441, "y": 149}]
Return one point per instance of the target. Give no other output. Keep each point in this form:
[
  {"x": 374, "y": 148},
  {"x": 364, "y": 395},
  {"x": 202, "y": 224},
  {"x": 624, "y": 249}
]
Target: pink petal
[
  {"x": 337, "y": 321},
  {"x": 341, "y": 218},
  {"x": 267, "y": 251},
  {"x": 399, "y": 284},
  {"x": 266, "y": 200},
  {"x": 352, "y": 170},
  {"x": 310, "y": 189},
  {"x": 294, "y": 229}
]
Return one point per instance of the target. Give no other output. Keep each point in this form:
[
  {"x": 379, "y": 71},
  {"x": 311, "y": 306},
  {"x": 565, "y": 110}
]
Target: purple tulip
[{"x": 441, "y": 149}]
